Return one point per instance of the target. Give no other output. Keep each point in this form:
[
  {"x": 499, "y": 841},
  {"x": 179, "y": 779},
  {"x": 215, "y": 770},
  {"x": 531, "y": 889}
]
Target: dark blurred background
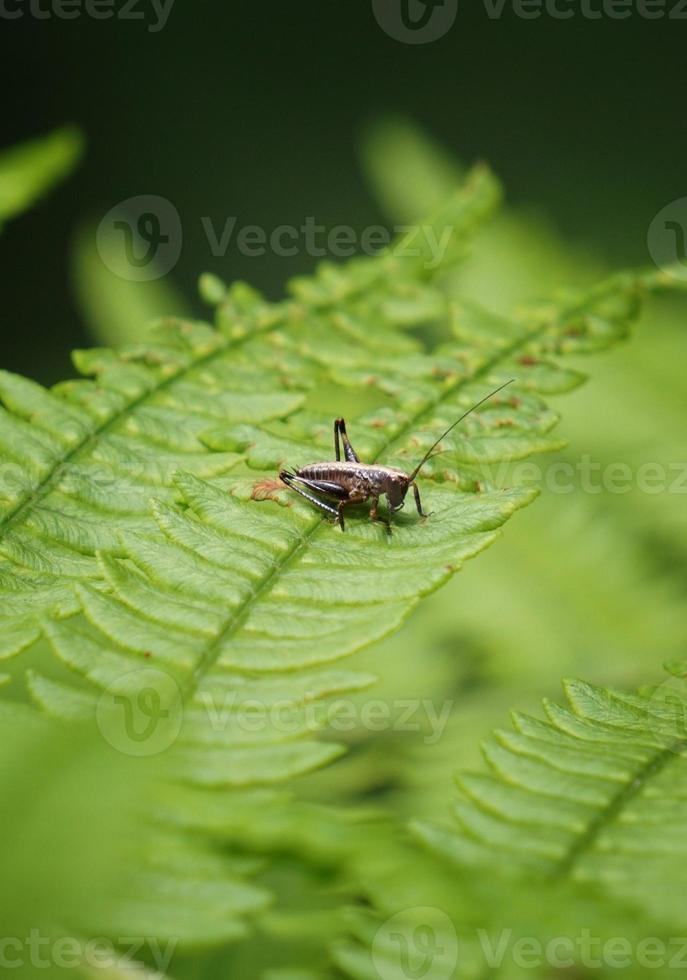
[{"x": 254, "y": 109}]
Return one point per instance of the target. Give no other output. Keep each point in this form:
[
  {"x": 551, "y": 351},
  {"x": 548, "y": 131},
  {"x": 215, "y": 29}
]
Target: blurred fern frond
[{"x": 29, "y": 170}]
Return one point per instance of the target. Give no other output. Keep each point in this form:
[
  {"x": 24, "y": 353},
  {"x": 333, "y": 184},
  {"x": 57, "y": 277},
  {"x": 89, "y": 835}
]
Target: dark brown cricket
[{"x": 344, "y": 482}]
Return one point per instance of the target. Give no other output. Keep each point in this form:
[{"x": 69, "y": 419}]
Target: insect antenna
[{"x": 451, "y": 427}]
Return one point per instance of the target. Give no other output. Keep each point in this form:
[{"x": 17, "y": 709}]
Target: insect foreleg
[
  {"x": 376, "y": 516},
  {"x": 418, "y": 502},
  {"x": 349, "y": 451},
  {"x": 339, "y": 511}
]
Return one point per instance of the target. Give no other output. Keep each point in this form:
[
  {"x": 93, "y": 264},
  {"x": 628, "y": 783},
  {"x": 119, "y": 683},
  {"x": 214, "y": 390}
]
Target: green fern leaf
[
  {"x": 592, "y": 795},
  {"x": 84, "y": 459},
  {"x": 576, "y": 829}
]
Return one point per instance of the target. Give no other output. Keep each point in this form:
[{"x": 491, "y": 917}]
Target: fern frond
[
  {"x": 576, "y": 829},
  {"x": 594, "y": 794},
  {"x": 234, "y": 585},
  {"x": 83, "y": 460}
]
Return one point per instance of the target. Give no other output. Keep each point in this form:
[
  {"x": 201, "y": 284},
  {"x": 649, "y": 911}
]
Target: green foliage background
[{"x": 202, "y": 846}]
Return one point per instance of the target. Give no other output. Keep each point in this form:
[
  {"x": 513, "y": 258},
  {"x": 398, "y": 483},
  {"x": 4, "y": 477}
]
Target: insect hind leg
[
  {"x": 294, "y": 483},
  {"x": 349, "y": 451}
]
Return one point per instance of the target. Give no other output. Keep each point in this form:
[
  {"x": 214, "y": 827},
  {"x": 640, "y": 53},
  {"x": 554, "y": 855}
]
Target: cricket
[{"x": 343, "y": 483}]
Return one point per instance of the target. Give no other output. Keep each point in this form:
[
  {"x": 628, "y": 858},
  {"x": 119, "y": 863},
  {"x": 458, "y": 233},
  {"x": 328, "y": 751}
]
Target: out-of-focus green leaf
[
  {"x": 69, "y": 816},
  {"x": 593, "y": 793},
  {"x": 517, "y": 257},
  {"x": 116, "y": 309},
  {"x": 29, "y": 170}
]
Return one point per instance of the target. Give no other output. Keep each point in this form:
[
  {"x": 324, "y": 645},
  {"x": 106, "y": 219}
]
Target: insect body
[{"x": 348, "y": 481}]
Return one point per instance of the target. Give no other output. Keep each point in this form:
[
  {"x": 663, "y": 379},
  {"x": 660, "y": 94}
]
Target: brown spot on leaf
[
  {"x": 528, "y": 360},
  {"x": 266, "y": 489}
]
